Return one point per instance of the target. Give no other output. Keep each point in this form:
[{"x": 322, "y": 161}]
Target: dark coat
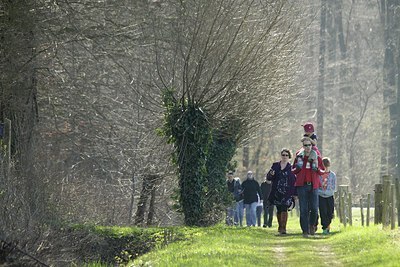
[
  {"x": 266, "y": 190},
  {"x": 251, "y": 190},
  {"x": 283, "y": 182}
]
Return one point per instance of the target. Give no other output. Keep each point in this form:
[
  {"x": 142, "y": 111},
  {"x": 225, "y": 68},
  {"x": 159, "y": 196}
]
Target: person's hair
[
  {"x": 288, "y": 151},
  {"x": 306, "y": 139},
  {"x": 326, "y": 161}
]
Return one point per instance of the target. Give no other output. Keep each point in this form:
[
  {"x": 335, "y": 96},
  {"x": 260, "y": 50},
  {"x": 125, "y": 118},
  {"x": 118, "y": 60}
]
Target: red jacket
[{"x": 306, "y": 173}]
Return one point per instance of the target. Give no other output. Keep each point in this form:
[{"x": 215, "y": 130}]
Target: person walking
[
  {"x": 283, "y": 189},
  {"x": 326, "y": 200},
  {"x": 268, "y": 207},
  {"x": 251, "y": 191},
  {"x": 234, "y": 213},
  {"x": 307, "y": 184}
]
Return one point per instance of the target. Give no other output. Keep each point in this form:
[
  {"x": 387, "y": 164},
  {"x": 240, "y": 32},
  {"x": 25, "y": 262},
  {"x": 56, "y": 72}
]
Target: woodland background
[{"x": 83, "y": 82}]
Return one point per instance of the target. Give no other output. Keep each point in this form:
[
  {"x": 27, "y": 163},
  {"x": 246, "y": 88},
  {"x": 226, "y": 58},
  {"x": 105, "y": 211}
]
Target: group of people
[{"x": 309, "y": 180}]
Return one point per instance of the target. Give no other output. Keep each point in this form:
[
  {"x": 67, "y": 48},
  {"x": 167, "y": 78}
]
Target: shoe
[
  {"x": 278, "y": 216},
  {"x": 264, "y": 225},
  {"x": 284, "y": 218},
  {"x": 325, "y": 231},
  {"x": 305, "y": 235},
  {"x": 312, "y": 229}
]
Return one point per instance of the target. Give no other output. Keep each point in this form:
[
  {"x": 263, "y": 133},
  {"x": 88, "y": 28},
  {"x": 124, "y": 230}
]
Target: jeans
[
  {"x": 308, "y": 202},
  {"x": 239, "y": 209},
  {"x": 268, "y": 214},
  {"x": 251, "y": 216},
  {"x": 230, "y": 214},
  {"x": 234, "y": 214},
  {"x": 326, "y": 209}
]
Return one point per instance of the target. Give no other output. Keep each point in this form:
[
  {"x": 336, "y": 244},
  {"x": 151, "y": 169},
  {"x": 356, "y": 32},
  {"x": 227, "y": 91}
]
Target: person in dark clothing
[
  {"x": 283, "y": 189},
  {"x": 251, "y": 191},
  {"x": 234, "y": 213},
  {"x": 268, "y": 207}
]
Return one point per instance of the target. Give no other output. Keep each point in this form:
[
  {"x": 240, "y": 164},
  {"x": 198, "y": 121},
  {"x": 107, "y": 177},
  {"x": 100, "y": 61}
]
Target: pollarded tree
[{"x": 217, "y": 62}]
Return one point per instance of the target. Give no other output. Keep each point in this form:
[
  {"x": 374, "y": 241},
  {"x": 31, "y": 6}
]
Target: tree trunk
[
  {"x": 389, "y": 156},
  {"x": 321, "y": 77},
  {"x": 342, "y": 81},
  {"x": 18, "y": 104},
  {"x": 147, "y": 187},
  {"x": 150, "y": 215},
  {"x": 132, "y": 199}
]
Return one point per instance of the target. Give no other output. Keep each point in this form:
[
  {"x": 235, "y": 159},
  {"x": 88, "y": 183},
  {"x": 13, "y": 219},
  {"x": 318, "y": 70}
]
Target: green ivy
[
  {"x": 201, "y": 155},
  {"x": 222, "y": 150},
  {"x": 187, "y": 127}
]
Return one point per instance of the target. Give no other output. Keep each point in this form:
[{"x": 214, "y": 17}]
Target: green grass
[
  {"x": 368, "y": 246},
  {"x": 225, "y": 246},
  {"x": 230, "y": 246}
]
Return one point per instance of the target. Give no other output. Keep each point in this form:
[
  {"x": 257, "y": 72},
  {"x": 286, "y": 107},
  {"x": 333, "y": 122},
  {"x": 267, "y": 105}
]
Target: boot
[
  {"x": 311, "y": 229},
  {"x": 278, "y": 217},
  {"x": 284, "y": 217}
]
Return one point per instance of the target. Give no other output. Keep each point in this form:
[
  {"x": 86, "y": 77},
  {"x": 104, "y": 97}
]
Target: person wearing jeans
[
  {"x": 251, "y": 191},
  {"x": 234, "y": 213},
  {"x": 238, "y": 219},
  {"x": 307, "y": 183}
]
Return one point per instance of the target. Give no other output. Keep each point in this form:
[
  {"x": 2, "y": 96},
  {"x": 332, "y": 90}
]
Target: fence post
[
  {"x": 343, "y": 189},
  {"x": 386, "y": 201},
  {"x": 337, "y": 205},
  {"x": 378, "y": 203},
  {"x": 368, "y": 208},
  {"x": 397, "y": 185},
  {"x": 362, "y": 211},
  {"x": 392, "y": 208},
  {"x": 349, "y": 206}
]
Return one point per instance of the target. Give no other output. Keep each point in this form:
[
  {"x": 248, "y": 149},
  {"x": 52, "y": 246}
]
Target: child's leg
[{"x": 314, "y": 157}]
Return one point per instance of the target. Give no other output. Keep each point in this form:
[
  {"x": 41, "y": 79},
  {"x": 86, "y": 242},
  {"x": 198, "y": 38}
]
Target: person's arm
[
  {"x": 321, "y": 167},
  {"x": 259, "y": 191},
  {"x": 271, "y": 173},
  {"x": 293, "y": 182},
  {"x": 296, "y": 168}
]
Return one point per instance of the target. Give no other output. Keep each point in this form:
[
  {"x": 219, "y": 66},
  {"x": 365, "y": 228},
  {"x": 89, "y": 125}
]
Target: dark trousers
[
  {"x": 268, "y": 213},
  {"x": 326, "y": 210}
]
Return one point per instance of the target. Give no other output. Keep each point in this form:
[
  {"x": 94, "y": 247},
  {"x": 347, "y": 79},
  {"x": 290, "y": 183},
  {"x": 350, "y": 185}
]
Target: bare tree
[{"x": 226, "y": 61}]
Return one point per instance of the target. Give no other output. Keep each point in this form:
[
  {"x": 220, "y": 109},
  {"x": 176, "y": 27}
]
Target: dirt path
[{"x": 294, "y": 250}]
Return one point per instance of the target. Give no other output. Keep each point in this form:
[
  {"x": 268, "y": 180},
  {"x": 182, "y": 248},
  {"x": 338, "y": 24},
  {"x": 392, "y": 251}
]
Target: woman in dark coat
[{"x": 283, "y": 188}]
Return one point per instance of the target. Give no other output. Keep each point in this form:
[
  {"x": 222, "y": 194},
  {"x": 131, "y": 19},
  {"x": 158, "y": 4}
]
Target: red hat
[{"x": 308, "y": 127}]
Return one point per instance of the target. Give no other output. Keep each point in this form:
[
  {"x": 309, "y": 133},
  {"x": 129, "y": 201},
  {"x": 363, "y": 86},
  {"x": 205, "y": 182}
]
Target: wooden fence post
[
  {"x": 343, "y": 190},
  {"x": 368, "y": 208},
  {"x": 392, "y": 210},
  {"x": 386, "y": 202},
  {"x": 362, "y": 211},
  {"x": 397, "y": 185},
  {"x": 341, "y": 208},
  {"x": 337, "y": 206},
  {"x": 378, "y": 203},
  {"x": 349, "y": 206}
]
